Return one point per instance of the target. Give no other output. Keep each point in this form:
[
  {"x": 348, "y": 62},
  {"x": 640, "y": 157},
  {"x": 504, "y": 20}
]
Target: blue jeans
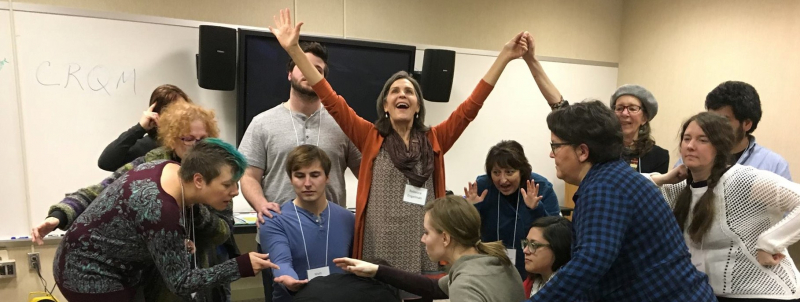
[{"x": 266, "y": 278}]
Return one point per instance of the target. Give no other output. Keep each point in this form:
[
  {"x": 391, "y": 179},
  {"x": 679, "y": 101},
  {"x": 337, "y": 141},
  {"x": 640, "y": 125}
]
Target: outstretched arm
[
  {"x": 451, "y": 129},
  {"x": 546, "y": 87}
]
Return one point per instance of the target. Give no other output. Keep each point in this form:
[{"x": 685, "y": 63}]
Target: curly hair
[
  {"x": 741, "y": 97},
  {"x": 176, "y": 119}
]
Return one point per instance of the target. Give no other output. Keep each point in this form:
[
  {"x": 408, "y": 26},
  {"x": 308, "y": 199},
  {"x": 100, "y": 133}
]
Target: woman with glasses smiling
[
  {"x": 633, "y": 105},
  {"x": 181, "y": 126}
]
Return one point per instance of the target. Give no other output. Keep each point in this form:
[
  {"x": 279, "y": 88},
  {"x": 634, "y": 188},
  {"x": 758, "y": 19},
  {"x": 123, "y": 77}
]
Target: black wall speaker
[
  {"x": 437, "y": 74},
  {"x": 216, "y": 61}
]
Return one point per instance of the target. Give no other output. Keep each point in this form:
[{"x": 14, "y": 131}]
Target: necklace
[{"x": 190, "y": 247}]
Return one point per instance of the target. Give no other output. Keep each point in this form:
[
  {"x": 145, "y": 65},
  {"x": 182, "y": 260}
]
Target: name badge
[
  {"x": 698, "y": 258},
  {"x": 318, "y": 272},
  {"x": 512, "y": 254},
  {"x": 415, "y": 195}
]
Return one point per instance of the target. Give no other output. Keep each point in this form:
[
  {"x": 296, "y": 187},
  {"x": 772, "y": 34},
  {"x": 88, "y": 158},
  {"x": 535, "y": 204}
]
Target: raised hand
[
  {"x": 291, "y": 283},
  {"x": 471, "y": 193},
  {"x": 514, "y": 48},
  {"x": 357, "y": 267},
  {"x": 529, "y": 55},
  {"x": 511, "y": 50},
  {"x": 531, "y": 195},
  {"x": 287, "y": 33},
  {"x": 149, "y": 118}
]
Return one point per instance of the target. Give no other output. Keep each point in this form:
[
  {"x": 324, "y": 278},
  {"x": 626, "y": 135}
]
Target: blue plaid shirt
[{"x": 627, "y": 246}]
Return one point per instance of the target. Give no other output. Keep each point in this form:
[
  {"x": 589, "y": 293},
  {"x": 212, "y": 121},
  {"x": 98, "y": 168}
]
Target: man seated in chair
[{"x": 310, "y": 231}]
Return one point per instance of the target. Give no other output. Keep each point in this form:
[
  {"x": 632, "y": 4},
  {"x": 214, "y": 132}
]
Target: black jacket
[{"x": 128, "y": 146}]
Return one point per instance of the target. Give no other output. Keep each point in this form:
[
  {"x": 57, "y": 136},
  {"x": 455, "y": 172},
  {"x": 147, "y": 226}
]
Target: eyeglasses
[
  {"x": 555, "y": 146},
  {"x": 190, "y": 140},
  {"x": 532, "y": 245},
  {"x": 631, "y": 109}
]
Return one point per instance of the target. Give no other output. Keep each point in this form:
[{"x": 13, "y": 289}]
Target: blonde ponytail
[
  {"x": 496, "y": 249},
  {"x": 456, "y": 216}
]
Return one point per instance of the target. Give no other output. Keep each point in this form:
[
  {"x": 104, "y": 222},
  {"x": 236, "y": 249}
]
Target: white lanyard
[
  {"x": 639, "y": 165},
  {"x": 291, "y": 118},
  {"x": 514, "y": 237},
  {"x": 327, "y": 235}
]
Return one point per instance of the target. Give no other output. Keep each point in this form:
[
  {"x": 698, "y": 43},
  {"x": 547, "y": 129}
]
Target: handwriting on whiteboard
[
  {"x": 98, "y": 78},
  {"x": 3, "y": 63}
]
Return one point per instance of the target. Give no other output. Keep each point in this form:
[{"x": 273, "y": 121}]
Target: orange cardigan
[{"x": 367, "y": 139}]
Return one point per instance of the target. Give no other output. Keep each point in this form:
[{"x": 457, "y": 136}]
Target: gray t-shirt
[{"x": 274, "y": 133}]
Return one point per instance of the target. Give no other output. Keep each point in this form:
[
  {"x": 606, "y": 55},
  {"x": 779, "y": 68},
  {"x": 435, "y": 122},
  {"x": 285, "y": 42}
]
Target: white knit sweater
[{"x": 750, "y": 205}]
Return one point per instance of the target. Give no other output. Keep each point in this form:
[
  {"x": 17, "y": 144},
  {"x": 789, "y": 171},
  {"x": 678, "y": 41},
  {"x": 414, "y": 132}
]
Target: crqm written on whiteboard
[{"x": 93, "y": 78}]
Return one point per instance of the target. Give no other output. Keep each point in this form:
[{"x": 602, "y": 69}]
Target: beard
[
  {"x": 304, "y": 91},
  {"x": 739, "y": 134}
]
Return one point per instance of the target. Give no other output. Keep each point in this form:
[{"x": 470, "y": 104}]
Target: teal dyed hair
[
  {"x": 237, "y": 161},
  {"x": 208, "y": 156}
]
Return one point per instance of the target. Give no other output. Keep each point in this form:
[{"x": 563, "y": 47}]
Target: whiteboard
[
  {"x": 85, "y": 80},
  {"x": 13, "y": 202}
]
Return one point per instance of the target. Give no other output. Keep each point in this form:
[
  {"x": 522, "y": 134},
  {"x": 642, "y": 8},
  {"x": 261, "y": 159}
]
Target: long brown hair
[
  {"x": 644, "y": 140},
  {"x": 719, "y": 133},
  {"x": 456, "y": 216}
]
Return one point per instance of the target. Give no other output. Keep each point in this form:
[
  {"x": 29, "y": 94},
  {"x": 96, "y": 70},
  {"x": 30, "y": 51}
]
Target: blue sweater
[
  {"x": 283, "y": 240},
  {"x": 488, "y": 210}
]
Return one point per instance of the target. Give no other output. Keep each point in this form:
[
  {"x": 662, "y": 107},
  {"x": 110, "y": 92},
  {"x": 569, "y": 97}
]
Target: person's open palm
[
  {"x": 471, "y": 193},
  {"x": 287, "y": 33},
  {"x": 291, "y": 283},
  {"x": 531, "y": 195}
]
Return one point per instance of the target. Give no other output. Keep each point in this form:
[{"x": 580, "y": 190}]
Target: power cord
[{"x": 44, "y": 282}]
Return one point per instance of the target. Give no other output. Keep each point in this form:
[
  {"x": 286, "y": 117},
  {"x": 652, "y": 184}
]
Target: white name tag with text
[
  {"x": 318, "y": 272},
  {"x": 512, "y": 254},
  {"x": 415, "y": 195}
]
